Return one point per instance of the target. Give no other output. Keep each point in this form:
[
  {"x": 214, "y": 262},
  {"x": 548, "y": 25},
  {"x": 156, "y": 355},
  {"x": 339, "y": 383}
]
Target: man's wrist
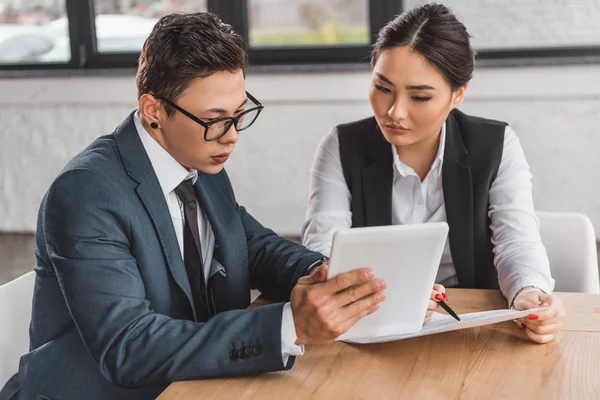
[{"x": 316, "y": 264}]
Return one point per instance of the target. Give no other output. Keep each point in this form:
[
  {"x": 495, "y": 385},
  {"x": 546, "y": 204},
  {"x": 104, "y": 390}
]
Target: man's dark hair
[
  {"x": 183, "y": 47},
  {"x": 435, "y": 33}
]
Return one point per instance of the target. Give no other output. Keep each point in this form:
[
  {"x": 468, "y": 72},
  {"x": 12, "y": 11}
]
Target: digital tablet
[{"x": 407, "y": 257}]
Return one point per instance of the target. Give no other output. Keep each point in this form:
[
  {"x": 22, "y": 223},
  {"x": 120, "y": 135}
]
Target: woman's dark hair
[
  {"x": 183, "y": 47},
  {"x": 435, "y": 33}
]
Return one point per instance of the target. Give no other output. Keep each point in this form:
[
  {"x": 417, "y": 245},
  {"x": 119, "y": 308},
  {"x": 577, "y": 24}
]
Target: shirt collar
[
  {"x": 168, "y": 171},
  {"x": 405, "y": 170}
]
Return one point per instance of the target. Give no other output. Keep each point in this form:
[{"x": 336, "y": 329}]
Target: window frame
[
  {"x": 74, "y": 33},
  {"x": 235, "y": 12},
  {"x": 85, "y": 55}
]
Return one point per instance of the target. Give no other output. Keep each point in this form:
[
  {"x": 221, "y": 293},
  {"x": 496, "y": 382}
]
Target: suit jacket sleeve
[
  {"x": 275, "y": 263},
  {"x": 87, "y": 240}
]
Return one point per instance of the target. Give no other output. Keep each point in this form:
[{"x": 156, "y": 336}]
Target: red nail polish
[
  {"x": 445, "y": 296},
  {"x": 533, "y": 317},
  {"x": 439, "y": 297}
]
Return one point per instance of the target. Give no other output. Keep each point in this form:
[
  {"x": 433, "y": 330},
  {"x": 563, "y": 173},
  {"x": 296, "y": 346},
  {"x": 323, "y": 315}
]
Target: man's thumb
[{"x": 319, "y": 274}]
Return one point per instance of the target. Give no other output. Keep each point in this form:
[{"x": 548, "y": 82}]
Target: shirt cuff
[{"x": 288, "y": 336}]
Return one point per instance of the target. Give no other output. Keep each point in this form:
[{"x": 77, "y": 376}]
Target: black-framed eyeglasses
[{"x": 214, "y": 130}]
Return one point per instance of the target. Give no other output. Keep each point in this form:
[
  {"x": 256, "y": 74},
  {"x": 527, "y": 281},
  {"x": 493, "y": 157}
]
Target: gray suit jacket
[{"x": 113, "y": 315}]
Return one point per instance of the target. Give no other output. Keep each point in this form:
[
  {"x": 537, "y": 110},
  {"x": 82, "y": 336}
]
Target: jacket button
[
  {"x": 233, "y": 354},
  {"x": 242, "y": 353},
  {"x": 258, "y": 349}
]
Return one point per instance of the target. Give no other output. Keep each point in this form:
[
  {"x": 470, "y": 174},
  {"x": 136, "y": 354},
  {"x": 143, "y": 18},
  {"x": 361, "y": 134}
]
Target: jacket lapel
[
  {"x": 458, "y": 199},
  {"x": 378, "y": 177},
  {"x": 140, "y": 169}
]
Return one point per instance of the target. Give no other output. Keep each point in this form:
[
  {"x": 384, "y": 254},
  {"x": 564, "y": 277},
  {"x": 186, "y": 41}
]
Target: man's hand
[{"x": 324, "y": 309}]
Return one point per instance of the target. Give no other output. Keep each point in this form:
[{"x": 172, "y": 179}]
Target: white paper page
[{"x": 445, "y": 323}]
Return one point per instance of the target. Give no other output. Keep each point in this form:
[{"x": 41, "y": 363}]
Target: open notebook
[{"x": 445, "y": 323}]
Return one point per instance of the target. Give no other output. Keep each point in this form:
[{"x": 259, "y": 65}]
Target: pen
[
  {"x": 448, "y": 310},
  {"x": 446, "y": 307}
]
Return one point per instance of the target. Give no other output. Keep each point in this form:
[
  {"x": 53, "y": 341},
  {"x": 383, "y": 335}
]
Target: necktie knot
[{"x": 185, "y": 191}]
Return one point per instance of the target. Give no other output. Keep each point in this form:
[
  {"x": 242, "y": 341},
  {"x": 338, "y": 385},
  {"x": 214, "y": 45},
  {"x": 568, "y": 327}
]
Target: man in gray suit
[{"x": 144, "y": 259}]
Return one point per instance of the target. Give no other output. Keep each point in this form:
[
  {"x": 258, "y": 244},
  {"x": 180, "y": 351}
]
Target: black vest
[{"x": 472, "y": 156}]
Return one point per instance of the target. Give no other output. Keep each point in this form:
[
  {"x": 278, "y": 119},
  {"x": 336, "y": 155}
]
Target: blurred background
[{"x": 67, "y": 71}]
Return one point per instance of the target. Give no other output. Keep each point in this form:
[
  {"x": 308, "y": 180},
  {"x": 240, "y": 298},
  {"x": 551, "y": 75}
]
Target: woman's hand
[
  {"x": 541, "y": 327},
  {"x": 437, "y": 294}
]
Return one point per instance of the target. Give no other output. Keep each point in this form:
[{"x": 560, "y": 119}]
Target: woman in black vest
[{"x": 419, "y": 159}]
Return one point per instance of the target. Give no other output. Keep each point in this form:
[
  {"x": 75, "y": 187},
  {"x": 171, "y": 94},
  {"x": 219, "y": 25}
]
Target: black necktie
[{"x": 192, "y": 250}]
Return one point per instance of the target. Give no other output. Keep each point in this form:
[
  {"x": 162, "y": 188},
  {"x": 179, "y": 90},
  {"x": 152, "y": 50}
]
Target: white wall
[
  {"x": 555, "y": 111},
  {"x": 509, "y": 24}
]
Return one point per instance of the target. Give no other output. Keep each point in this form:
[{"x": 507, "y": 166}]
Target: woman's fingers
[
  {"x": 432, "y": 305},
  {"x": 438, "y": 293},
  {"x": 428, "y": 316},
  {"x": 439, "y": 288},
  {"x": 543, "y": 329},
  {"x": 538, "y": 338}
]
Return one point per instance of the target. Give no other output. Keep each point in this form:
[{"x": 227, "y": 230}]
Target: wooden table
[{"x": 493, "y": 362}]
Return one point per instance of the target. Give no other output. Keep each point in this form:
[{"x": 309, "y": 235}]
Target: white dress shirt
[
  {"x": 519, "y": 255},
  {"x": 170, "y": 174}
]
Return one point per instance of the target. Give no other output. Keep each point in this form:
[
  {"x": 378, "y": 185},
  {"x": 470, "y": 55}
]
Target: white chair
[
  {"x": 570, "y": 241},
  {"x": 15, "y": 315}
]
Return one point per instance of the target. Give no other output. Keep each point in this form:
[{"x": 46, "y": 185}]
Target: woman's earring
[{"x": 154, "y": 125}]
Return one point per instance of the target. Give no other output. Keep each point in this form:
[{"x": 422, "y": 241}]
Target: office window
[
  {"x": 122, "y": 26},
  {"x": 294, "y": 23},
  {"x": 33, "y": 32},
  {"x": 527, "y": 24},
  {"x": 40, "y": 34}
]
